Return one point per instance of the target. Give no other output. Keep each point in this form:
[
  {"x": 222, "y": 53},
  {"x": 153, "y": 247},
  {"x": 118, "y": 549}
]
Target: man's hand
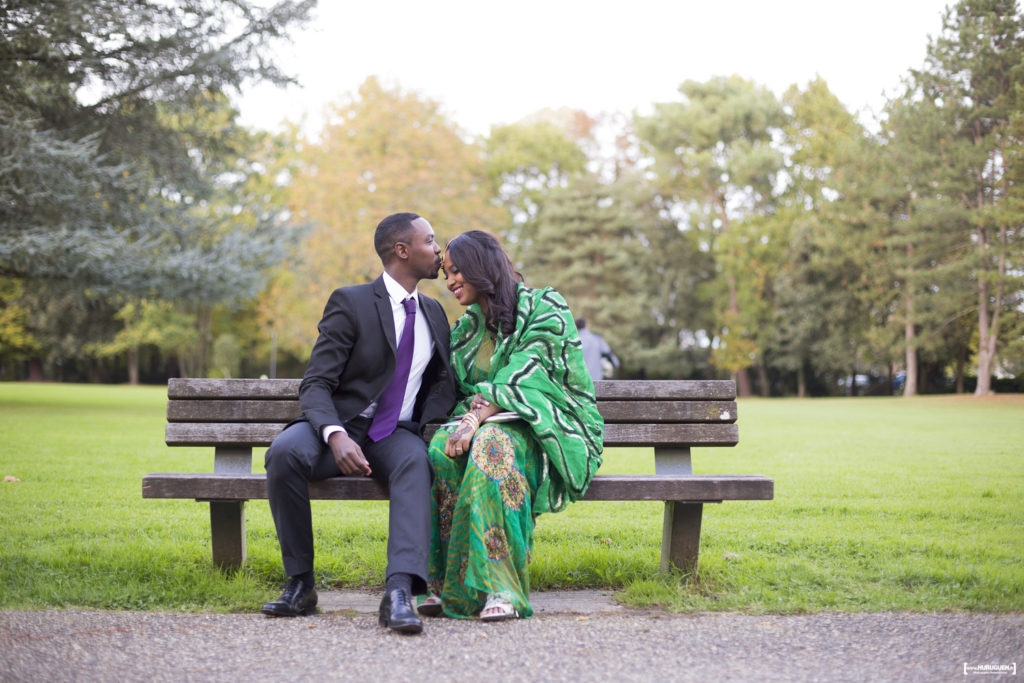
[{"x": 348, "y": 455}]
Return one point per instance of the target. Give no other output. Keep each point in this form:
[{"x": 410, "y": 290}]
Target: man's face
[{"x": 424, "y": 252}]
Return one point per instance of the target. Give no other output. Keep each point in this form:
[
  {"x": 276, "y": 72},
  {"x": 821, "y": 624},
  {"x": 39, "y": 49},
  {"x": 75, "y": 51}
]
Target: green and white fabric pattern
[{"x": 538, "y": 373}]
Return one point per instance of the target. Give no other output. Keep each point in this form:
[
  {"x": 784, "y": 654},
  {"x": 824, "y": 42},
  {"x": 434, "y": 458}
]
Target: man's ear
[{"x": 402, "y": 250}]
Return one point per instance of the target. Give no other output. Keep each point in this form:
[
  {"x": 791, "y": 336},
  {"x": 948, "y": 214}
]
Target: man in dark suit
[{"x": 379, "y": 371}]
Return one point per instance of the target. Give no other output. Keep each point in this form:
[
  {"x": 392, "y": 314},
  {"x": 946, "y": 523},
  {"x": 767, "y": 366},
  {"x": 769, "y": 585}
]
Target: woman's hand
[
  {"x": 459, "y": 441},
  {"x": 483, "y": 408}
]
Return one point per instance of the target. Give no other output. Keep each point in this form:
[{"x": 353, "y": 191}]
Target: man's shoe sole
[
  {"x": 277, "y": 612},
  {"x": 410, "y": 627}
]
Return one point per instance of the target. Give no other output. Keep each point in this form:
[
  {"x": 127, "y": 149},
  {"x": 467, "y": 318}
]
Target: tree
[
  {"x": 123, "y": 167},
  {"x": 526, "y": 162},
  {"x": 715, "y": 156},
  {"x": 973, "y": 73},
  {"x": 819, "y": 137},
  {"x": 626, "y": 268},
  {"x": 96, "y": 169},
  {"x": 16, "y": 342},
  {"x": 918, "y": 241}
]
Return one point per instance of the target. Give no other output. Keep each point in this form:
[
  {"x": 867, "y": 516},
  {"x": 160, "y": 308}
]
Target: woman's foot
[
  {"x": 431, "y": 606},
  {"x": 498, "y": 608}
]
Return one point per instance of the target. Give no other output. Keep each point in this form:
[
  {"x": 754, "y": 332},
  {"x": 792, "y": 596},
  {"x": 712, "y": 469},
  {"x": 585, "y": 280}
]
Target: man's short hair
[
  {"x": 581, "y": 323},
  {"x": 392, "y": 229}
]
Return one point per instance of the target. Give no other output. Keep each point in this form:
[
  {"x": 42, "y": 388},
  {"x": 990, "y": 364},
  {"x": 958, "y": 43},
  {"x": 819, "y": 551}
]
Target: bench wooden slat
[
  {"x": 247, "y": 410},
  {"x": 665, "y": 390},
  {"x": 703, "y": 488},
  {"x": 240, "y": 389},
  {"x": 608, "y": 390},
  {"x": 194, "y": 410},
  {"x": 261, "y": 434},
  {"x": 667, "y": 411}
]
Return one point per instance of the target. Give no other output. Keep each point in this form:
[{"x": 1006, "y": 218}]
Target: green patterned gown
[{"x": 484, "y": 502}]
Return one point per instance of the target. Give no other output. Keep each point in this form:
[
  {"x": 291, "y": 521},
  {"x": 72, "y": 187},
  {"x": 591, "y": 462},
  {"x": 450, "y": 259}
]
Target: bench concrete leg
[
  {"x": 680, "y": 537},
  {"x": 227, "y": 527},
  {"x": 227, "y": 517}
]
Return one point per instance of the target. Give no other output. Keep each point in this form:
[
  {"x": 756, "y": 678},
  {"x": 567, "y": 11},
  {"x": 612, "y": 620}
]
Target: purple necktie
[{"x": 390, "y": 403}]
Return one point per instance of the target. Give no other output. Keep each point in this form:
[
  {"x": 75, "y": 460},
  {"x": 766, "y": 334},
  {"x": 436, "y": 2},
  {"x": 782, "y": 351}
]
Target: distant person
[
  {"x": 595, "y": 351},
  {"x": 526, "y": 436},
  {"x": 379, "y": 370}
]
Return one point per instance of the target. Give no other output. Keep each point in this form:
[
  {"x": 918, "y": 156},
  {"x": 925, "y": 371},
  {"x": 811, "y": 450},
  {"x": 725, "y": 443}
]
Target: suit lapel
[
  {"x": 384, "y": 314},
  {"x": 437, "y": 328}
]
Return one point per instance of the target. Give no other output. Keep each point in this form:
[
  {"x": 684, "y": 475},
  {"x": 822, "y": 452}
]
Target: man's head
[
  {"x": 406, "y": 246},
  {"x": 581, "y": 323}
]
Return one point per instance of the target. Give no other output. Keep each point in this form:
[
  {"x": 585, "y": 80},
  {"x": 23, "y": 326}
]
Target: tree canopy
[{"x": 115, "y": 141}]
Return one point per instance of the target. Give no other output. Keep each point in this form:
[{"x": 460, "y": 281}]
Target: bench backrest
[{"x": 231, "y": 413}]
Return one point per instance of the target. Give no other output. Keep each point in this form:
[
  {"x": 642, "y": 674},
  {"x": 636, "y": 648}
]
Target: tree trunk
[
  {"x": 35, "y": 370},
  {"x": 742, "y": 376},
  {"x": 801, "y": 382},
  {"x": 910, "y": 386},
  {"x": 762, "y": 379},
  {"x": 987, "y": 335},
  {"x": 961, "y": 363},
  {"x": 986, "y": 358},
  {"x": 273, "y": 354},
  {"x": 133, "y": 365},
  {"x": 743, "y": 382},
  {"x": 204, "y": 320}
]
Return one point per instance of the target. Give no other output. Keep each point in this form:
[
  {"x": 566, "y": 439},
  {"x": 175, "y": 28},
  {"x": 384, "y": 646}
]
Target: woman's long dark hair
[{"x": 485, "y": 265}]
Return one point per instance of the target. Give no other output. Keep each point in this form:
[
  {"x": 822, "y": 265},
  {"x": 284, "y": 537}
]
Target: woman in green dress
[{"x": 526, "y": 437}]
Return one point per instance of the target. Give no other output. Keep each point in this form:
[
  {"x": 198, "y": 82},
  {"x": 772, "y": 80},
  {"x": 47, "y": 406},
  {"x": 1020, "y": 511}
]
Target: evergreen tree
[
  {"x": 102, "y": 182},
  {"x": 628, "y": 269},
  {"x": 973, "y": 74},
  {"x": 124, "y": 170},
  {"x": 716, "y": 160}
]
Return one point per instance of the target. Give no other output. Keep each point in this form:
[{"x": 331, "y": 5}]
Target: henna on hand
[{"x": 462, "y": 431}]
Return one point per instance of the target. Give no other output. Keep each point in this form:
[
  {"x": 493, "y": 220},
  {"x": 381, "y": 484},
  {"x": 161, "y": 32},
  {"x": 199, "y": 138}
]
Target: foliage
[
  {"x": 156, "y": 323},
  {"x": 525, "y": 162},
  {"x": 715, "y": 160},
  {"x": 623, "y": 266},
  {"x": 124, "y": 173},
  {"x": 973, "y": 74},
  {"x": 104, "y": 177},
  {"x": 16, "y": 342}
]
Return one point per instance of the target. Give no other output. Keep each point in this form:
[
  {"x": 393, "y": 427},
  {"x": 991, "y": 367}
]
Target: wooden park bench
[{"x": 236, "y": 415}]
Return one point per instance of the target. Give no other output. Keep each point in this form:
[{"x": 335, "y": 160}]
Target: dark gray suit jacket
[{"x": 354, "y": 358}]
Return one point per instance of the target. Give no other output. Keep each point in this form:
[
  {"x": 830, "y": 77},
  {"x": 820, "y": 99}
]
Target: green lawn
[{"x": 880, "y": 504}]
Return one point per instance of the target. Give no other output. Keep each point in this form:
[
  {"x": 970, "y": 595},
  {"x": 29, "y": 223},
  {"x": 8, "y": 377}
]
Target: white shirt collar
[{"x": 396, "y": 291}]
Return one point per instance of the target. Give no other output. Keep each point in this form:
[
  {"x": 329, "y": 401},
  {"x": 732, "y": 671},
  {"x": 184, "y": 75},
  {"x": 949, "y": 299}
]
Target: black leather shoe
[
  {"x": 396, "y": 612},
  {"x": 297, "y": 598}
]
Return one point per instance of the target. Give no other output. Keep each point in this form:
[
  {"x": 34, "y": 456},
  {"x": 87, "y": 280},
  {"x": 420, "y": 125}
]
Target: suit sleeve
[{"x": 338, "y": 332}]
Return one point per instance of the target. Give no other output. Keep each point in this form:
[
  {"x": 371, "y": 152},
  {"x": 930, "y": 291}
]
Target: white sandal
[
  {"x": 500, "y": 608},
  {"x": 431, "y": 606}
]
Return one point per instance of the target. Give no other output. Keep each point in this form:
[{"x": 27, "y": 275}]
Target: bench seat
[{"x": 703, "y": 488}]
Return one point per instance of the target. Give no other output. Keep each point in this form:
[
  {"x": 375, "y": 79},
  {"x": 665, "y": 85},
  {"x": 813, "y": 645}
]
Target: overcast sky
[{"x": 490, "y": 63}]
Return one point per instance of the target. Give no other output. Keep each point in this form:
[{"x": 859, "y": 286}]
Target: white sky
[{"x": 490, "y": 63}]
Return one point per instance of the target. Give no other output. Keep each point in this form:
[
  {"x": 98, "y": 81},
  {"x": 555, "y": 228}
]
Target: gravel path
[{"x": 574, "y": 636}]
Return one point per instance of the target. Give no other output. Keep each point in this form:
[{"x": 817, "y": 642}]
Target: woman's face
[{"x": 464, "y": 292}]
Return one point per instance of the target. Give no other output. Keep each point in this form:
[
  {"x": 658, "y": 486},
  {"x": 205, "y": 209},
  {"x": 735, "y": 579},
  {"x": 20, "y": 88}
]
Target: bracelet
[{"x": 472, "y": 420}]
